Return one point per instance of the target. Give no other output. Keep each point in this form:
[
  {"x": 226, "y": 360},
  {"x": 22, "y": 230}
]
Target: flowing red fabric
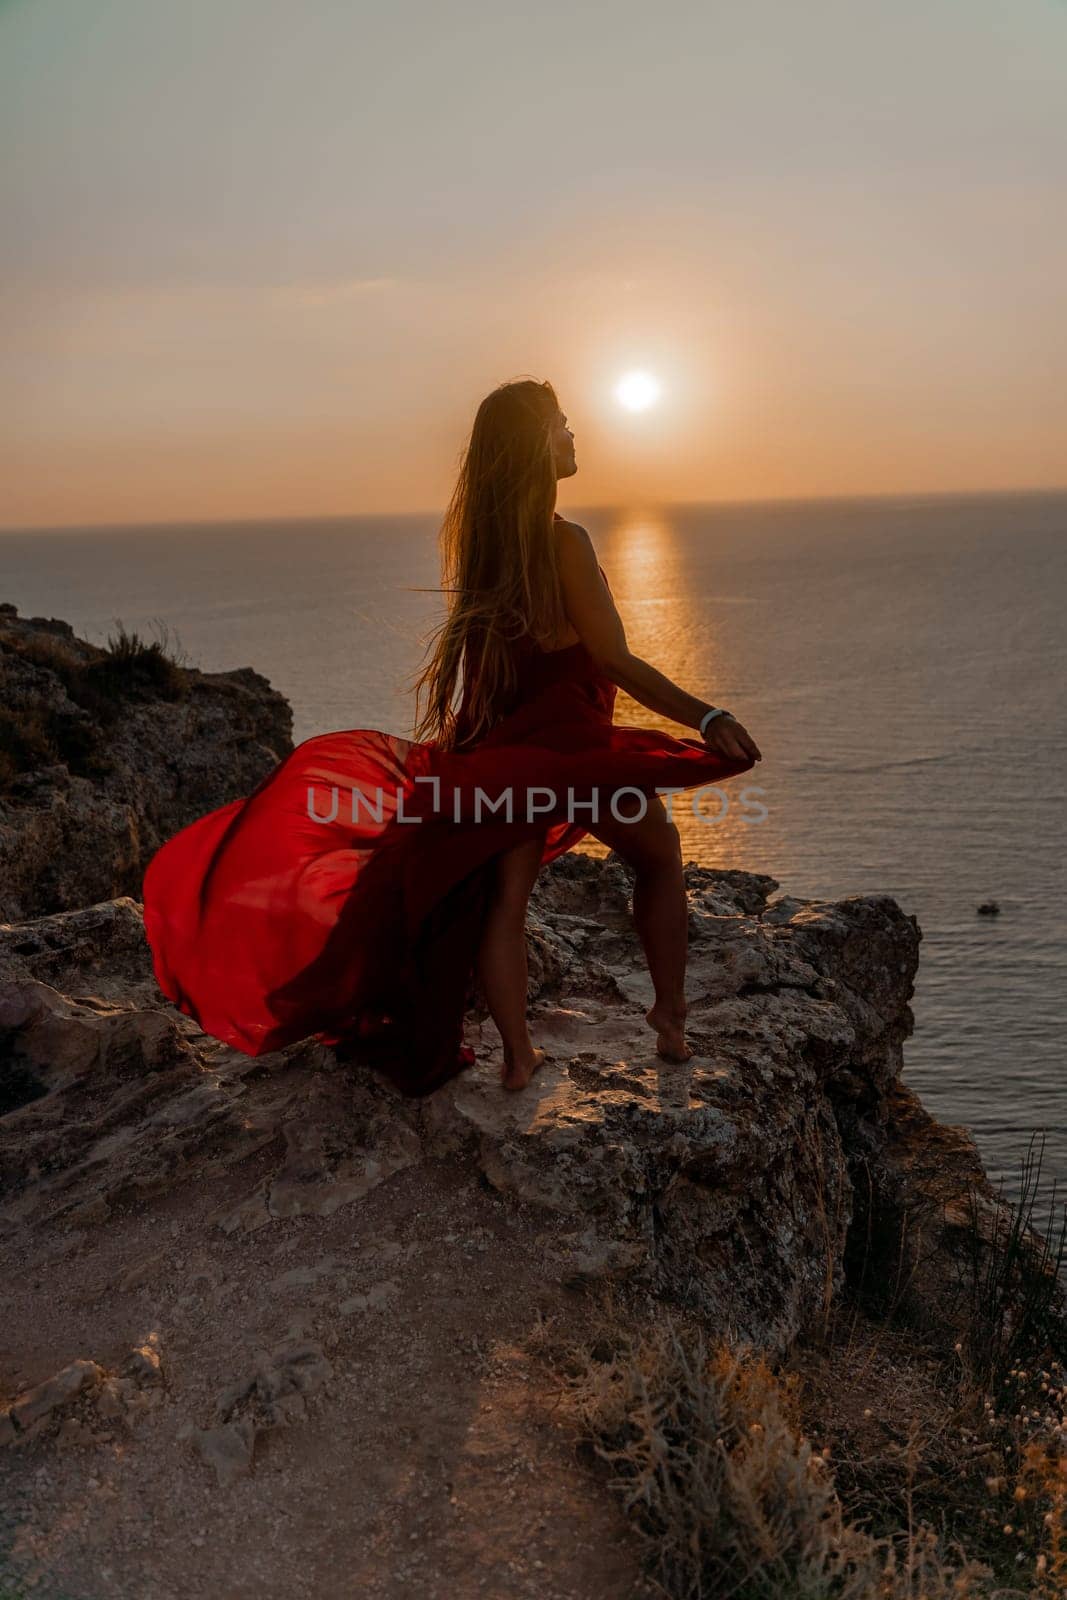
[{"x": 343, "y": 899}]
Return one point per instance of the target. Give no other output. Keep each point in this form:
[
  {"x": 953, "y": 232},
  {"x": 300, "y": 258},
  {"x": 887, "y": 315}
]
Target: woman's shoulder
[
  {"x": 571, "y": 534},
  {"x": 574, "y": 547}
]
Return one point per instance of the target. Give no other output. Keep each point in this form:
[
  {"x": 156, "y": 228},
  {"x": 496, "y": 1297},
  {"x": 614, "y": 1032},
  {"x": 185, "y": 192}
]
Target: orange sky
[{"x": 265, "y": 262}]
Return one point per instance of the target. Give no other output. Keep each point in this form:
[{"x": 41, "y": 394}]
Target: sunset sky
[{"x": 264, "y": 259}]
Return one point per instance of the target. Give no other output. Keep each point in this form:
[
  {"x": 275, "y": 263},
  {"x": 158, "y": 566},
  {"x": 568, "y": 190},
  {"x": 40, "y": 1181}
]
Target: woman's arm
[{"x": 593, "y": 616}]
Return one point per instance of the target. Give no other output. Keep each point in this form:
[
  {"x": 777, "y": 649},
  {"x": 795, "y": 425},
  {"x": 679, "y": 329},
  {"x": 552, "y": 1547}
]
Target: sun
[{"x": 636, "y": 391}]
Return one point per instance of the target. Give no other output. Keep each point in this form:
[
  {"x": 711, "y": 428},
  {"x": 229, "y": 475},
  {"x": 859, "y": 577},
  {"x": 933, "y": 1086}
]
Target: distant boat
[{"x": 989, "y": 908}]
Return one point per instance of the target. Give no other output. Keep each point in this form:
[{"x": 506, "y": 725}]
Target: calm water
[{"x": 902, "y": 664}]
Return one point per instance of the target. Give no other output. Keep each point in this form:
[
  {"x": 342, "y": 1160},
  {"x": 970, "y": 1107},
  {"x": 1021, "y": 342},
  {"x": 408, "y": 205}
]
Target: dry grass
[
  {"x": 39, "y": 728},
  {"x": 725, "y": 1467},
  {"x": 36, "y": 733},
  {"x": 971, "y": 1438},
  {"x": 132, "y": 666},
  {"x": 914, "y": 1442},
  {"x": 1015, "y": 1281}
]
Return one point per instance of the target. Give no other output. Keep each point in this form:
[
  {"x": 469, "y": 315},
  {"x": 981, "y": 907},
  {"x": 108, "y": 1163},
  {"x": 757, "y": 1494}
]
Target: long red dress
[{"x": 343, "y": 898}]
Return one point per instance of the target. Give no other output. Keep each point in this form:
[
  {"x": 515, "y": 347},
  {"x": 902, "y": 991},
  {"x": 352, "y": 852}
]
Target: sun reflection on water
[{"x": 668, "y": 625}]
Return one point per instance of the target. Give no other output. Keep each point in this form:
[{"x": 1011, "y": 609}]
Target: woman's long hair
[{"x": 498, "y": 565}]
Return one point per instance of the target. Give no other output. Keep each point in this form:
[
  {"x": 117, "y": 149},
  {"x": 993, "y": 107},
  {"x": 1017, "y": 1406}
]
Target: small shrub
[
  {"x": 39, "y": 729},
  {"x": 52, "y": 655},
  {"x": 1023, "y": 1441},
  {"x": 132, "y": 668},
  {"x": 729, "y": 1499},
  {"x": 1015, "y": 1281},
  {"x": 36, "y": 733}
]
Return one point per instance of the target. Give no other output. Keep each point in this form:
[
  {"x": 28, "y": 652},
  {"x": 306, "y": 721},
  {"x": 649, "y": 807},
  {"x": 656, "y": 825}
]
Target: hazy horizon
[
  {"x": 632, "y": 508},
  {"x": 264, "y": 261}
]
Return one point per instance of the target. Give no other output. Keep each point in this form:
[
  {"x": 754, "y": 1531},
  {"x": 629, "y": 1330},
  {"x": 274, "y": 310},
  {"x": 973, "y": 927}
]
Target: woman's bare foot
[
  {"x": 518, "y": 1070},
  {"x": 670, "y": 1035}
]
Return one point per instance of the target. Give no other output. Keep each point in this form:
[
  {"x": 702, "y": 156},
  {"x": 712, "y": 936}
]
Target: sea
[{"x": 901, "y": 662}]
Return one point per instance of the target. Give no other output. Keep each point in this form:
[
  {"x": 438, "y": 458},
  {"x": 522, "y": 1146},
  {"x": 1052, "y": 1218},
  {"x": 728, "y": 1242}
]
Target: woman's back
[
  {"x": 564, "y": 674},
  {"x": 538, "y": 668}
]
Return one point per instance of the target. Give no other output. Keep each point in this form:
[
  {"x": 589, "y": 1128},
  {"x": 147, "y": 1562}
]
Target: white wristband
[{"x": 716, "y": 711}]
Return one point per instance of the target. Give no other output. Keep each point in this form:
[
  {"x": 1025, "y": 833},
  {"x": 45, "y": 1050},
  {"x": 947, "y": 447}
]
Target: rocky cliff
[
  {"x": 278, "y": 1276},
  {"x": 106, "y": 752}
]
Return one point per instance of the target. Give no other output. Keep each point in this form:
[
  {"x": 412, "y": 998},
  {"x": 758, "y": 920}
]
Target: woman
[{"x": 353, "y": 895}]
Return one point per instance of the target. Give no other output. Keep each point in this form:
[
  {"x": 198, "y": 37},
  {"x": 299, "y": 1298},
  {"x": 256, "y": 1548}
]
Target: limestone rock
[
  {"x": 96, "y": 951},
  {"x": 88, "y": 1387},
  {"x": 273, "y": 1394},
  {"x": 38, "y": 1403},
  {"x": 228, "y": 1449}
]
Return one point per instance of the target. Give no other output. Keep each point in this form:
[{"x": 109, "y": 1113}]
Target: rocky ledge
[
  {"x": 737, "y": 1184},
  {"x": 104, "y": 753}
]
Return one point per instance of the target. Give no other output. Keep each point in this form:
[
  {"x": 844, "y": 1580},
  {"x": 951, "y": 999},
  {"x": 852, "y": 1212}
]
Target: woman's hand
[{"x": 728, "y": 737}]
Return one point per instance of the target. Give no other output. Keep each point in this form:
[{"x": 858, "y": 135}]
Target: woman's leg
[
  {"x": 661, "y": 915},
  {"x": 502, "y": 960}
]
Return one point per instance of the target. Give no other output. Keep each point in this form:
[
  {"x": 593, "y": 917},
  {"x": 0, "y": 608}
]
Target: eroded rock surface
[
  {"x": 83, "y": 1400},
  {"x": 103, "y": 758},
  {"x": 728, "y": 1183}
]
